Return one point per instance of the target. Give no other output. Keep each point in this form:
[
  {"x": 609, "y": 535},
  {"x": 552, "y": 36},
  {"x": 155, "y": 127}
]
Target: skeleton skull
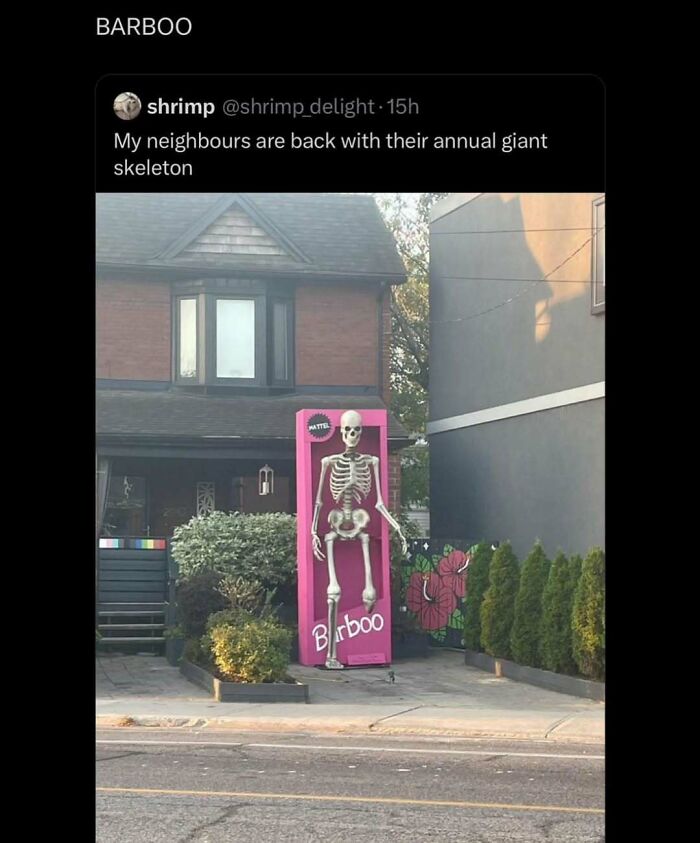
[{"x": 351, "y": 428}]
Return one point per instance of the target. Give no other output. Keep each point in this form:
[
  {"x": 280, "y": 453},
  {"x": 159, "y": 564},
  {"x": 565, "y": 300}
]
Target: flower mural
[
  {"x": 427, "y": 596},
  {"x": 453, "y": 568},
  {"x": 435, "y": 587}
]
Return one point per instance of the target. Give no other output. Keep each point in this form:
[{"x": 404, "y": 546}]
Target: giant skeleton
[{"x": 350, "y": 483}]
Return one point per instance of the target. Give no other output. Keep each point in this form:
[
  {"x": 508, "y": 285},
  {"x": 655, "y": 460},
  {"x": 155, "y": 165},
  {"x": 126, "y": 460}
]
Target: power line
[
  {"x": 522, "y": 292},
  {"x": 524, "y": 280},
  {"x": 509, "y": 230}
]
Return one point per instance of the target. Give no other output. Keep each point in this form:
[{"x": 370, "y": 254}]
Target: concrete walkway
[{"x": 437, "y": 695}]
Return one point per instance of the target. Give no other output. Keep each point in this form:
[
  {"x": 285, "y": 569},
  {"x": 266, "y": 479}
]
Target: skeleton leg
[
  {"x": 369, "y": 594},
  {"x": 333, "y": 593}
]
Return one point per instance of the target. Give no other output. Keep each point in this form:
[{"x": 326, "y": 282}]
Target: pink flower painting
[
  {"x": 453, "y": 569},
  {"x": 431, "y": 599}
]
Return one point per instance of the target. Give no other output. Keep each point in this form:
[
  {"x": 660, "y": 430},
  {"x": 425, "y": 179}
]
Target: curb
[{"x": 324, "y": 727}]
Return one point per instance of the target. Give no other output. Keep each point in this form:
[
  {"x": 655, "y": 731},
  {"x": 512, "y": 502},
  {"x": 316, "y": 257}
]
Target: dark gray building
[{"x": 517, "y": 375}]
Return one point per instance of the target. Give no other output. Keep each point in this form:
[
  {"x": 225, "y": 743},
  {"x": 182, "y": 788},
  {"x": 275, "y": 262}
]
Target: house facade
[
  {"x": 517, "y": 369},
  {"x": 219, "y": 316}
]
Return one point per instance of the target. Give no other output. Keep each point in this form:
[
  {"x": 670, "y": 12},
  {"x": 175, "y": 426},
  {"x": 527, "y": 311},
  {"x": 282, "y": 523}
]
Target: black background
[{"x": 550, "y": 86}]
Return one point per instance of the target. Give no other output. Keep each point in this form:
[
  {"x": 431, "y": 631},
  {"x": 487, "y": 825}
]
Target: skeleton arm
[
  {"x": 379, "y": 506},
  {"x": 318, "y": 553}
]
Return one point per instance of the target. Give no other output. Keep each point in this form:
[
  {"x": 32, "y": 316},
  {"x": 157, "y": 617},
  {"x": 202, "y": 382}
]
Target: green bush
[
  {"x": 255, "y": 547},
  {"x": 248, "y": 649},
  {"x": 197, "y": 598},
  {"x": 588, "y": 617},
  {"x": 477, "y": 583},
  {"x": 525, "y": 635},
  {"x": 401, "y": 622},
  {"x": 498, "y": 606},
  {"x": 557, "y": 603},
  {"x": 248, "y": 596},
  {"x": 198, "y": 651},
  {"x": 410, "y": 531}
]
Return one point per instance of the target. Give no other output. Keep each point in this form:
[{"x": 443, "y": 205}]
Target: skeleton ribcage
[{"x": 351, "y": 477}]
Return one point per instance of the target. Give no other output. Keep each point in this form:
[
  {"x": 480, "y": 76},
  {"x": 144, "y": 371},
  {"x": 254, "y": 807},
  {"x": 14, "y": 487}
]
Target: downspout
[{"x": 380, "y": 344}]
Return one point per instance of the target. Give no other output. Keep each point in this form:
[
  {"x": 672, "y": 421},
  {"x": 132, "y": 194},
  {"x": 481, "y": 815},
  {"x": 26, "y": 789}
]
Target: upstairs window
[
  {"x": 281, "y": 324},
  {"x": 233, "y": 339},
  {"x": 186, "y": 352},
  {"x": 598, "y": 261}
]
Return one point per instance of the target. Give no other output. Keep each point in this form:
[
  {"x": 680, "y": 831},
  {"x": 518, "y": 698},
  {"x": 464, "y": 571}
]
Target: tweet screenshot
[{"x": 350, "y": 449}]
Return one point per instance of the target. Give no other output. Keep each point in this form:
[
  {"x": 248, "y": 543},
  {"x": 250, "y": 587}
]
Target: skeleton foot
[
  {"x": 369, "y": 598},
  {"x": 334, "y": 664}
]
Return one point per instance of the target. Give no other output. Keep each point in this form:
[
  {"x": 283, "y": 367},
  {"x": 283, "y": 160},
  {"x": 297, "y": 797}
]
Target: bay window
[{"x": 233, "y": 338}]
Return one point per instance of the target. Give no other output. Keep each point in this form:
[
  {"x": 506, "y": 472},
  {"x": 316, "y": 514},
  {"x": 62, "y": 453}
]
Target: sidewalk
[{"x": 435, "y": 696}]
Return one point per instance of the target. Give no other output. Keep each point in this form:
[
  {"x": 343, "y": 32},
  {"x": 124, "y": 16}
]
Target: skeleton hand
[
  {"x": 318, "y": 553},
  {"x": 404, "y": 544}
]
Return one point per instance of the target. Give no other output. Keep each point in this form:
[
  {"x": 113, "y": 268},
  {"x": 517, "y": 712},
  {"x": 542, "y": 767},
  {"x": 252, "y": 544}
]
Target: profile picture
[{"x": 127, "y": 106}]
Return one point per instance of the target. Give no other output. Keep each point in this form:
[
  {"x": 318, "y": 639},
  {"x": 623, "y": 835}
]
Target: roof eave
[{"x": 171, "y": 270}]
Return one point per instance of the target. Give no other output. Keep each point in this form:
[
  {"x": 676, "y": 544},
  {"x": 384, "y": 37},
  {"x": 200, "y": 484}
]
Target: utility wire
[
  {"x": 546, "y": 278},
  {"x": 522, "y": 292},
  {"x": 525, "y": 280},
  {"x": 508, "y": 230}
]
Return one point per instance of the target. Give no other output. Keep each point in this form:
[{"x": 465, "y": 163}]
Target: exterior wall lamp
[{"x": 266, "y": 481}]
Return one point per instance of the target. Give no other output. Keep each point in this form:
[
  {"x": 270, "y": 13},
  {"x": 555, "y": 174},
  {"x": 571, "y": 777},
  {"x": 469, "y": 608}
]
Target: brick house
[{"x": 218, "y": 317}]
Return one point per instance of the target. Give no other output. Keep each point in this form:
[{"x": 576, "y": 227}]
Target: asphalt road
[{"x": 177, "y": 786}]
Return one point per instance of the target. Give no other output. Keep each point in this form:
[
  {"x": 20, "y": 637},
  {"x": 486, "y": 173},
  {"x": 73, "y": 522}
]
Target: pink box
[{"x": 362, "y": 638}]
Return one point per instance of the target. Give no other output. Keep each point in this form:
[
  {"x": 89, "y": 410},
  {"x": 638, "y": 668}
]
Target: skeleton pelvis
[{"x": 348, "y": 529}]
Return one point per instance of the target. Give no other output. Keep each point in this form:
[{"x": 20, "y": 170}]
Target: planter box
[
  {"x": 244, "y": 692},
  {"x": 534, "y": 676},
  {"x": 410, "y": 644}
]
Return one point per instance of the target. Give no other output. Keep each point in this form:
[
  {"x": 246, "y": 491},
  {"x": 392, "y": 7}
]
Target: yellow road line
[{"x": 147, "y": 791}]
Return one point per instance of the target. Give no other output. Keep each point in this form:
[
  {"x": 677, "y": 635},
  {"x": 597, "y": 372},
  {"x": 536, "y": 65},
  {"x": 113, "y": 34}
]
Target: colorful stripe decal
[
  {"x": 148, "y": 544},
  {"x": 112, "y": 543},
  {"x": 134, "y": 544}
]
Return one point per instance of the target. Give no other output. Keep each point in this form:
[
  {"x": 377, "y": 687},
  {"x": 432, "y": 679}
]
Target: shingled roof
[
  {"x": 312, "y": 233},
  {"x": 132, "y": 413}
]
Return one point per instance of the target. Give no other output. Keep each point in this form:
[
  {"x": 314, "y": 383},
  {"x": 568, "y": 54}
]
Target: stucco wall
[{"x": 539, "y": 475}]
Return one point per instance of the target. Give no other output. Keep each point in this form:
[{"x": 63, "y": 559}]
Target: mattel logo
[
  {"x": 319, "y": 425},
  {"x": 351, "y": 628}
]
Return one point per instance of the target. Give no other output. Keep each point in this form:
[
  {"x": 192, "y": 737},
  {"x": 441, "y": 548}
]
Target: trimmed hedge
[
  {"x": 498, "y": 607},
  {"x": 477, "y": 583},
  {"x": 255, "y": 547},
  {"x": 525, "y": 635},
  {"x": 556, "y": 652},
  {"x": 588, "y": 617}
]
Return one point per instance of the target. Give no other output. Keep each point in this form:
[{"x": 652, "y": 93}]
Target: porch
[{"x": 151, "y": 496}]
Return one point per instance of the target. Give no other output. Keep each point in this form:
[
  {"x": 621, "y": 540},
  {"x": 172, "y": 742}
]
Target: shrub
[
  {"x": 525, "y": 635},
  {"x": 248, "y": 649},
  {"x": 477, "y": 583},
  {"x": 588, "y": 617},
  {"x": 248, "y": 596},
  {"x": 255, "y": 547},
  {"x": 498, "y": 606},
  {"x": 198, "y": 651},
  {"x": 401, "y": 622},
  {"x": 197, "y": 598},
  {"x": 410, "y": 531},
  {"x": 557, "y": 603}
]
